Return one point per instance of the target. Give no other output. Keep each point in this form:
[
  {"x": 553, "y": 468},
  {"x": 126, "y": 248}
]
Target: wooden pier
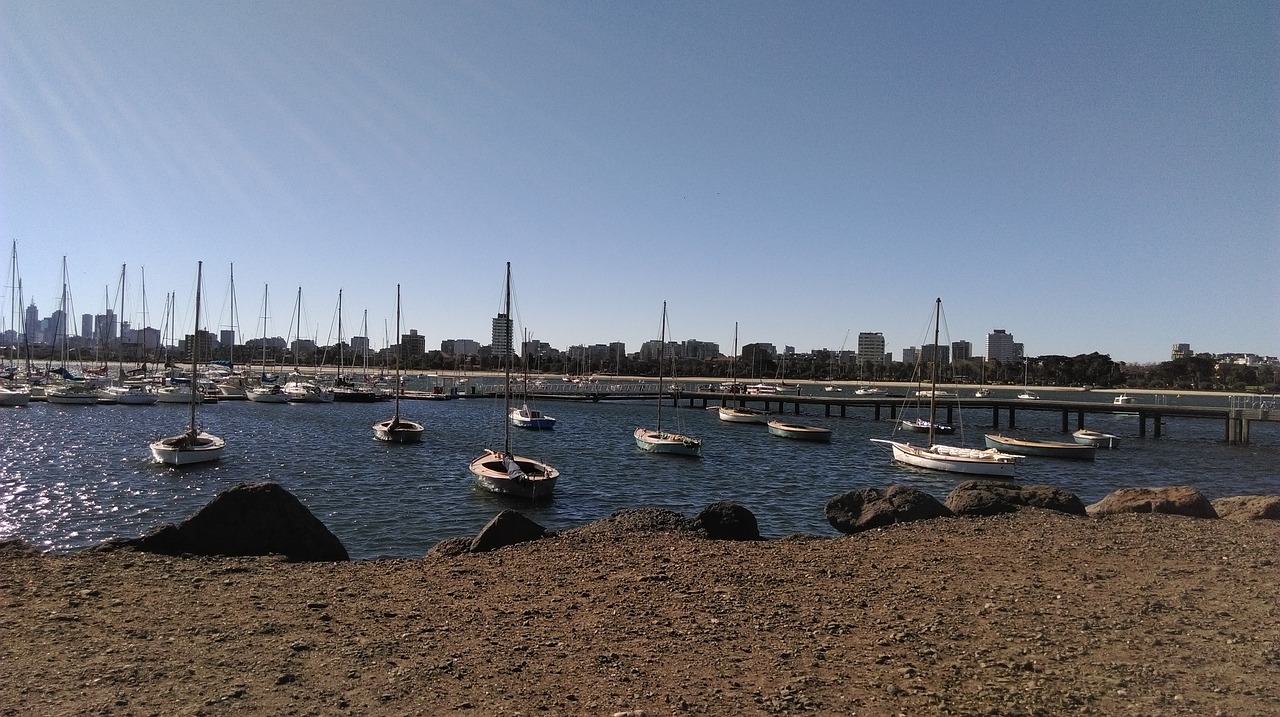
[{"x": 1236, "y": 420}]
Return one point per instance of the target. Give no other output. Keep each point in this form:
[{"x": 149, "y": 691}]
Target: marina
[{"x": 73, "y": 476}]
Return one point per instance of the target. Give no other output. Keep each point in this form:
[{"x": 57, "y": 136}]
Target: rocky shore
[{"x": 1031, "y": 612}]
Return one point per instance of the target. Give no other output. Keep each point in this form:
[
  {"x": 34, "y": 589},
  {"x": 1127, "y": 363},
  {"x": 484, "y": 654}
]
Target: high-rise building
[
  {"x": 1180, "y": 351},
  {"x": 961, "y": 350},
  {"x": 1000, "y": 346},
  {"x": 501, "y": 340},
  {"x": 414, "y": 344},
  {"x": 870, "y": 347}
]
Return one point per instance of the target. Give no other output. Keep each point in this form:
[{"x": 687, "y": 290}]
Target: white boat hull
[
  {"x": 800, "y": 433},
  {"x": 72, "y": 398},
  {"x": 953, "y": 459},
  {"x": 734, "y": 414},
  {"x": 260, "y": 395},
  {"x": 535, "y": 420},
  {"x": 401, "y": 431},
  {"x": 13, "y": 398},
  {"x": 663, "y": 442},
  {"x": 180, "y": 450},
  {"x": 490, "y": 473},
  {"x": 177, "y": 395},
  {"x": 1097, "y": 439}
]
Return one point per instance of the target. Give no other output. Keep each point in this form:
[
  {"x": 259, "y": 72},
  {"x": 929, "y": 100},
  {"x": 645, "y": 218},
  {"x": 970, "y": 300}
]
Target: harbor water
[{"x": 74, "y": 476}]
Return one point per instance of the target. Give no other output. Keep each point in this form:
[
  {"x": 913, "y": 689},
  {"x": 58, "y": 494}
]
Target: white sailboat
[
  {"x": 658, "y": 440},
  {"x": 953, "y": 459},
  {"x": 13, "y": 394},
  {"x": 192, "y": 445},
  {"x": 71, "y": 390},
  {"x": 524, "y": 416},
  {"x": 267, "y": 390},
  {"x": 502, "y": 471},
  {"x": 739, "y": 414},
  {"x": 122, "y": 392},
  {"x": 397, "y": 429}
]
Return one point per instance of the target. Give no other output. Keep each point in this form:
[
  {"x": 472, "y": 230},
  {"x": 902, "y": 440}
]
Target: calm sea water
[{"x": 73, "y": 476}]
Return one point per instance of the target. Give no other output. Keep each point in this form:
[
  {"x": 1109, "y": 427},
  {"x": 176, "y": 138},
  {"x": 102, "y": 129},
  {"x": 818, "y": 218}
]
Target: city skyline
[
  {"x": 1090, "y": 176},
  {"x": 1007, "y": 349}
]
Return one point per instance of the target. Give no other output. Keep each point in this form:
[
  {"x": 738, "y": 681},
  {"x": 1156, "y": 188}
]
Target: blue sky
[{"x": 1088, "y": 176}]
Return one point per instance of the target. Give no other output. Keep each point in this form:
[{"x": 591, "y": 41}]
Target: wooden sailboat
[
  {"x": 739, "y": 414},
  {"x": 192, "y": 445},
  {"x": 502, "y": 471},
  {"x": 397, "y": 429},
  {"x": 658, "y": 440},
  {"x": 954, "y": 459}
]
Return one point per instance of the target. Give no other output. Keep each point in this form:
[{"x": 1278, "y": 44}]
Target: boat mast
[
  {"x": 141, "y": 336},
  {"x": 234, "y": 320},
  {"x": 933, "y": 395},
  {"x": 195, "y": 345},
  {"x": 662, "y": 357},
  {"x": 506, "y": 395},
  {"x": 339, "y": 381},
  {"x": 395, "y": 419}
]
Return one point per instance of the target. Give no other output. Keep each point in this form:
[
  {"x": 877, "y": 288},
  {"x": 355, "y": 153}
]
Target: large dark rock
[
  {"x": 249, "y": 519},
  {"x": 868, "y": 508},
  {"x": 507, "y": 528},
  {"x": 1248, "y": 507},
  {"x": 991, "y": 497},
  {"x": 725, "y": 520},
  {"x": 1174, "y": 500}
]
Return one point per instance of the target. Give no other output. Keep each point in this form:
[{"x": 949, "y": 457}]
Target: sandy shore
[{"x": 1027, "y": 614}]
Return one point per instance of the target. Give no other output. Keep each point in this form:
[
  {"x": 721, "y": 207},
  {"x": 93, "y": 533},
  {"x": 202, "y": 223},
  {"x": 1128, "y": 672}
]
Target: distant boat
[
  {"x": 13, "y": 397},
  {"x": 1096, "y": 438},
  {"x": 1123, "y": 399},
  {"x": 799, "y": 432},
  {"x": 870, "y": 391},
  {"x": 1029, "y": 396},
  {"x": 658, "y": 440},
  {"x": 953, "y": 459},
  {"x": 193, "y": 445},
  {"x": 982, "y": 393},
  {"x": 1042, "y": 449},
  {"x": 770, "y": 389},
  {"x": 739, "y": 414},
  {"x": 397, "y": 429},
  {"x": 832, "y": 389},
  {"x": 267, "y": 393},
  {"x": 924, "y": 425},
  {"x": 502, "y": 471},
  {"x": 531, "y": 418}
]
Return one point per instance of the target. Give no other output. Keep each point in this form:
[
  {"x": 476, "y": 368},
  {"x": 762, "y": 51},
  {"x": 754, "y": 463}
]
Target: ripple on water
[{"x": 75, "y": 476}]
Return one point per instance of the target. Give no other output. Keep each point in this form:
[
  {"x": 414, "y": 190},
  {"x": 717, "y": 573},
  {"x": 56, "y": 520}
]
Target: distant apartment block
[
  {"x": 414, "y": 343},
  {"x": 871, "y": 347},
  {"x": 909, "y": 355},
  {"x": 460, "y": 347},
  {"x": 934, "y": 352},
  {"x": 1000, "y": 347},
  {"x": 1180, "y": 351},
  {"x": 961, "y": 350},
  {"x": 501, "y": 336}
]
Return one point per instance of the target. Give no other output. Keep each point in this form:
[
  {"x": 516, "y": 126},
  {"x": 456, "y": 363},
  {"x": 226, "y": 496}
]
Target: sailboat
[
  {"x": 502, "y": 471},
  {"x": 954, "y": 459},
  {"x": 298, "y": 388},
  {"x": 344, "y": 390},
  {"x": 11, "y": 394},
  {"x": 397, "y": 429},
  {"x": 122, "y": 393},
  {"x": 72, "y": 390},
  {"x": 267, "y": 391},
  {"x": 192, "y": 445},
  {"x": 739, "y": 414},
  {"x": 658, "y": 440},
  {"x": 1027, "y": 394},
  {"x": 526, "y": 417},
  {"x": 983, "y": 391}
]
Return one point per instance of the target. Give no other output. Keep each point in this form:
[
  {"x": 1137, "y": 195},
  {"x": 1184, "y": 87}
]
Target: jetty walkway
[{"x": 1237, "y": 417}]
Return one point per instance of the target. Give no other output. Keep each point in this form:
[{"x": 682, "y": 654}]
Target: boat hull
[
  {"x": 1097, "y": 439},
  {"x": 800, "y": 433},
  {"x": 13, "y": 398},
  {"x": 921, "y": 425},
  {"x": 734, "y": 414},
  {"x": 180, "y": 450},
  {"x": 490, "y": 473},
  {"x": 966, "y": 461},
  {"x": 671, "y": 443},
  {"x": 1040, "y": 449},
  {"x": 72, "y": 398},
  {"x": 270, "y": 395},
  {"x": 532, "y": 420},
  {"x": 402, "y": 431}
]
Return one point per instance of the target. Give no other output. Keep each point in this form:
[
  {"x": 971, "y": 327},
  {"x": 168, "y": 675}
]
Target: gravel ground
[{"x": 1028, "y": 614}]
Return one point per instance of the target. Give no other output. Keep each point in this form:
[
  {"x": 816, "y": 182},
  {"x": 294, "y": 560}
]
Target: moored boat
[
  {"x": 532, "y": 418},
  {"x": 192, "y": 445},
  {"x": 657, "y": 440},
  {"x": 799, "y": 432},
  {"x": 1041, "y": 449},
  {"x": 1096, "y": 438},
  {"x": 742, "y": 414},
  {"x": 923, "y": 425},
  {"x": 397, "y": 429}
]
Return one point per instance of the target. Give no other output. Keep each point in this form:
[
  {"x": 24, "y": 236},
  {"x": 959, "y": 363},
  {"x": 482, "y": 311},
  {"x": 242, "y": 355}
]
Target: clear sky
[{"x": 1090, "y": 176}]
